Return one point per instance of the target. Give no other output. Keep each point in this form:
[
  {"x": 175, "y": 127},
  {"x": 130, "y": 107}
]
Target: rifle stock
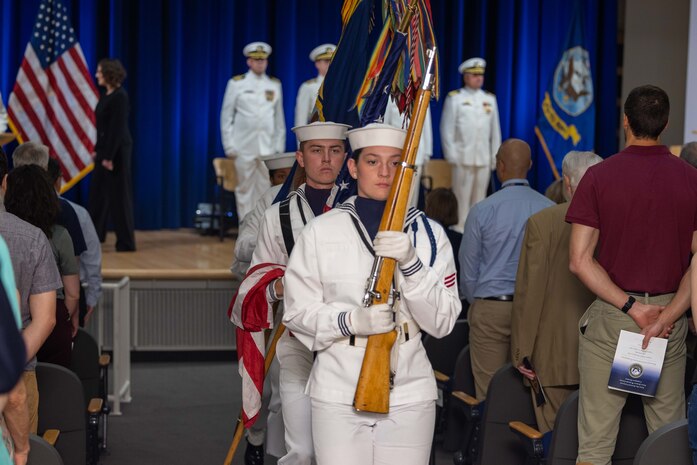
[{"x": 375, "y": 379}]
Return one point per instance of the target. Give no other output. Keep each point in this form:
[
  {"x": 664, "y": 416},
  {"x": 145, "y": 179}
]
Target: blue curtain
[{"x": 180, "y": 53}]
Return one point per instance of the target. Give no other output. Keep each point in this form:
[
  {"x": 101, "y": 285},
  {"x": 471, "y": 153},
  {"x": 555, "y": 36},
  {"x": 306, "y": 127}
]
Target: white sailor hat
[
  {"x": 278, "y": 161},
  {"x": 322, "y": 52},
  {"x": 377, "y": 134},
  {"x": 473, "y": 66},
  {"x": 258, "y": 50},
  {"x": 321, "y": 130}
]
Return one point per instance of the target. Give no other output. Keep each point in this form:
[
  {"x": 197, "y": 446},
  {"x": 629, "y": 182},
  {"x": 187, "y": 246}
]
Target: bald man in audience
[
  {"x": 689, "y": 153},
  {"x": 489, "y": 260},
  {"x": 549, "y": 300}
]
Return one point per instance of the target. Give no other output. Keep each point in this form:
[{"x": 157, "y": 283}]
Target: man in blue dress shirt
[{"x": 489, "y": 255}]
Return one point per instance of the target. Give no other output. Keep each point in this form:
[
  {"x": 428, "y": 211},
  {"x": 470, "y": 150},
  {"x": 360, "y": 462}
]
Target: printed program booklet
[{"x": 634, "y": 369}]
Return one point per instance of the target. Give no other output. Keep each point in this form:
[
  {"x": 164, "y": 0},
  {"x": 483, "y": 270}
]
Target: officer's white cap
[
  {"x": 322, "y": 52},
  {"x": 257, "y": 50},
  {"x": 321, "y": 130},
  {"x": 473, "y": 66},
  {"x": 278, "y": 161},
  {"x": 377, "y": 134}
]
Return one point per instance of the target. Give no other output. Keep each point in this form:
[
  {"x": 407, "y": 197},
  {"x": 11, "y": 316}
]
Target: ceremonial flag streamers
[
  {"x": 567, "y": 119},
  {"x": 53, "y": 98}
]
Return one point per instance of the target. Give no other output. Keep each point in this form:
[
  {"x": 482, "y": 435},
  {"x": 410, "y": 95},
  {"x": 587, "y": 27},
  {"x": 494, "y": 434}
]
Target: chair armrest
[
  {"x": 532, "y": 439},
  {"x": 51, "y": 436},
  {"x": 95, "y": 406},
  {"x": 466, "y": 398},
  {"x": 104, "y": 360},
  {"x": 525, "y": 430},
  {"x": 441, "y": 377}
]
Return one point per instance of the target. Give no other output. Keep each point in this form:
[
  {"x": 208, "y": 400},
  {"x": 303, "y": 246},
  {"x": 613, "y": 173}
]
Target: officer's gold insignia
[{"x": 269, "y": 95}]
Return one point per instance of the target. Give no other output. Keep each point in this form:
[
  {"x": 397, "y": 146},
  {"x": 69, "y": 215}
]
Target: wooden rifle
[{"x": 376, "y": 379}]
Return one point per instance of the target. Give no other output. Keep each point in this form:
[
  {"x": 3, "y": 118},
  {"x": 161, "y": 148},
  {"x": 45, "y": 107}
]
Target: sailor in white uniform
[
  {"x": 252, "y": 124},
  {"x": 321, "y": 155},
  {"x": 321, "y": 56},
  {"x": 471, "y": 135},
  {"x": 324, "y": 285},
  {"x": 279, "y": 166}
]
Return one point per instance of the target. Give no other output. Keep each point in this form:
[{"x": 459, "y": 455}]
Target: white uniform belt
[{"x": 405, "y": 331}]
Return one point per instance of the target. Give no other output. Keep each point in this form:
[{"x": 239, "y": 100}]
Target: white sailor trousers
[{"x": 345, "y": 437}]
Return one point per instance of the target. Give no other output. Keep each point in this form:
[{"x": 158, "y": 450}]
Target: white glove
[
  {"x": 376, "y": 319},
  {"x": 394, "y": 244}
]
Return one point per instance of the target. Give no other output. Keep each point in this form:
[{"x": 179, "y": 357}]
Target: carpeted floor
[{"x": 182, "y": 413}]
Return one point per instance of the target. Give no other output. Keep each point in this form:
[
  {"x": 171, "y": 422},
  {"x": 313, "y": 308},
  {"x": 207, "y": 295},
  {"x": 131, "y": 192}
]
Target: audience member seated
[
  {"x": 91, "y": 258},
  {"x": 12, "y": 352},
  {"x": 37, "y": 279},
  {"x": 549, "y": 300},
  {"x": 555, "y": 191},
  {"x": 32, "y": 153},
  {"x": 489, "y": 259},
  {"x": 31, "y": 197},
  {"x": 441, "y": 206}
]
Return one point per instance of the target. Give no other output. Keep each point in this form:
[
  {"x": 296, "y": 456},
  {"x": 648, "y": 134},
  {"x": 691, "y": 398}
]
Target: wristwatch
[{"x": 628, "y": 305}]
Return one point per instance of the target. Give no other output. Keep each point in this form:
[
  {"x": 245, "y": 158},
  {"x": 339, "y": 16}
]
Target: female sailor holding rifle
[{"x": 325, "y": 284}]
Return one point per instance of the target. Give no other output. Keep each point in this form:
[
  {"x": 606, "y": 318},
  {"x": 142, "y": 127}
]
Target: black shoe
[{"x": 254, "y": 455}]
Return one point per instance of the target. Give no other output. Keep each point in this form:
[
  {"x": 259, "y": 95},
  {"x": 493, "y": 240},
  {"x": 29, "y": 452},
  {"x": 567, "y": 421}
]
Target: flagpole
[
  {"x": 546, "y": 150},
  {"x": 239, "y": 429}
]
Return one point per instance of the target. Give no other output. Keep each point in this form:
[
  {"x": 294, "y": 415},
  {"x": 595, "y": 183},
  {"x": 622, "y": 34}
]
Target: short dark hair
[
  {"x": 441, "y": 205},
  {"x": 647, "y": 109},
  {"x": 31, "y": 197},
  {"x": 356, "y": 153},
  {"x": 113, "y": 71},
  {"x": 54, "y": 170},
  {"x": 4, "y": 167}
]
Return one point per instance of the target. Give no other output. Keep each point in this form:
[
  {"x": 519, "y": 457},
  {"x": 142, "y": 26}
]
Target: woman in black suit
[{"x": 111, "y": 189}]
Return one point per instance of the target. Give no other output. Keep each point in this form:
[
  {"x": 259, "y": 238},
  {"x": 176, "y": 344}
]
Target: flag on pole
[
  {"x": 567, "y": 121},
  {"x": 53, "y": 98}
]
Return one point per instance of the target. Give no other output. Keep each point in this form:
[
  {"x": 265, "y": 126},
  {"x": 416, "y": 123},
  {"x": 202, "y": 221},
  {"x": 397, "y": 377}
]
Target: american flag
[{"x": 53, "y": 98}]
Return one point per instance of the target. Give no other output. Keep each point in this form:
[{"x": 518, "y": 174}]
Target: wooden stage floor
[{"x": 170, "y": 254}]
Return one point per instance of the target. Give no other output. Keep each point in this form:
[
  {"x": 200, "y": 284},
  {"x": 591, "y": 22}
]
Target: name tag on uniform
[
  {"x": 269, "y": 95},
  {"x": 467, "y": 102}
]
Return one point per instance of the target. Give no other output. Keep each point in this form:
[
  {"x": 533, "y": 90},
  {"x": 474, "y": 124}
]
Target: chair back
[
  {"x": 225, "y": 171},
  {"x": 462, "y": 380},
  {"x": 443, "y": 352},
  {"x": 563, "y": 448},
  {"x": 437, "y": 173},
  {"x": 85, "y": 363},
  {"x": 564, "y": 445},
  {"x": 62, "y": 407},
  {"x": 507, "y": 399},
  {"x": 42, "y": 453},
  {"x": 668, "y": 444}
]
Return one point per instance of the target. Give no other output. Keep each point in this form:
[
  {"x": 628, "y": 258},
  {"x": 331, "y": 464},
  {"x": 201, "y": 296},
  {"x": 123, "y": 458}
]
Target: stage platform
[
  {"x": 170, "y": 254},
  {"x": 176, "y": 296}
]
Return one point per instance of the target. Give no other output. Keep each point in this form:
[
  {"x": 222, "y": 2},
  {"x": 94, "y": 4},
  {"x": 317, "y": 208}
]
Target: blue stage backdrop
[{"x": 180, "y": 53}]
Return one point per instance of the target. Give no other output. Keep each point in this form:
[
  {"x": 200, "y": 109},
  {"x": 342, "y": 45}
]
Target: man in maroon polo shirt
[{"x": 639, "y": 207}]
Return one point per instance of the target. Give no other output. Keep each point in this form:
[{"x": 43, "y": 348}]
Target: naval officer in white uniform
[
  {"x": 471, "y": 135},
  {"x": 321, "y": 56},
  {"x": 252, "y": 124}
]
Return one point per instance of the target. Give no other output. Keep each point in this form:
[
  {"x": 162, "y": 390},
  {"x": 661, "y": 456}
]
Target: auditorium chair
[
  {"x": 507, "y": 399},
  {"x": 92, "y": 367},
  {"x": 668, "y": 444},
  {"x": 42, "y": 450},
  {"x": 62, "y": 407},
  {"x": 226, "y": 183},
  {"x": 563, "y": 447},
  {"x": 437, "y": 173},
  {"x": 464, "y": 413},
  {"x": 443, "y": 353}
]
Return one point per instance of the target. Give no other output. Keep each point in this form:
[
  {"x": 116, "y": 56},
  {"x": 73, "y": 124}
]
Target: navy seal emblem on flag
[{"x": 573, "y": 85}]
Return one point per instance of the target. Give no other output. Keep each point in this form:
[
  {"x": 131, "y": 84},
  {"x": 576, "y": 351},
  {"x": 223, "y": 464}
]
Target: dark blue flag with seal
[{"x": 567, "y": 110}]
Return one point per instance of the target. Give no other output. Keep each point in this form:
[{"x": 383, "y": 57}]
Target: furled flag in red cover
[{"x": 53, "y": 98}]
